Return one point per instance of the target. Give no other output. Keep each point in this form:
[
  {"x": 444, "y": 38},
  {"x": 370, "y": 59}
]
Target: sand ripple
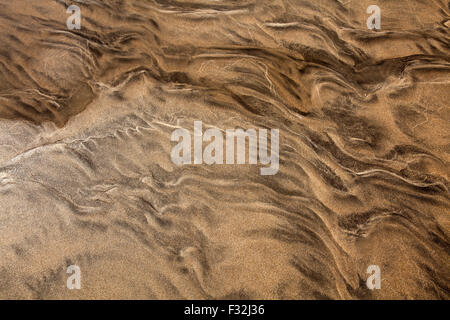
[{"x": 85, "y": 170}]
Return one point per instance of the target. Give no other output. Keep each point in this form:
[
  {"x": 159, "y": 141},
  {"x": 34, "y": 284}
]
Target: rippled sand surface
[{"x": 86, "y": 178}]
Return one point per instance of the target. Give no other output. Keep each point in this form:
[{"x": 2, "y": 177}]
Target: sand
[{"x": 86, "y": 178}]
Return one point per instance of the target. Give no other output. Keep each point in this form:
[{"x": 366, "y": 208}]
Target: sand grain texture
[{"x": 86, "y": 177}]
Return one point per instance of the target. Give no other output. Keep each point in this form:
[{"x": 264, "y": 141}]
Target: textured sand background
[{"x": 85, "y": 171}]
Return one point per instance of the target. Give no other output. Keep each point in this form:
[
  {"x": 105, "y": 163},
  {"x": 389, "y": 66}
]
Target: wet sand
[{"x": 86, "y": 178}]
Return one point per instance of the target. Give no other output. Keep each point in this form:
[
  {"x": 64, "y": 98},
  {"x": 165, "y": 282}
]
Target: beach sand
[{"x": 86, "y": 177}]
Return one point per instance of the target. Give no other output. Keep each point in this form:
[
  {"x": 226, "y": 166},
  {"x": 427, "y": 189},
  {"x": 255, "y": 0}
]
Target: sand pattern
[{"x": 86, "y": 178}]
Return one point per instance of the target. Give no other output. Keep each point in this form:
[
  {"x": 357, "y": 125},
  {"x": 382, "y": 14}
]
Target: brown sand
[{"x": 85, "y": 170}]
